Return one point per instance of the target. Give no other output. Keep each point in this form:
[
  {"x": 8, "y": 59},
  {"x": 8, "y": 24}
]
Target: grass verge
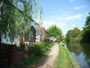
[{"x": 65, "y": 59}]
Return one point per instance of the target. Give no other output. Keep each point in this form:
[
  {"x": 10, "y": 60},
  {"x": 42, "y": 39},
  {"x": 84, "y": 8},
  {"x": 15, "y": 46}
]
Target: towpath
[{"x": 50, "y": 58}]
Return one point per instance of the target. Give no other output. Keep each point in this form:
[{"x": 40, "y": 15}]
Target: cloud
[
  {"x": 74, "y": 17},
  {"x": 80, "y": 7},
  {"x": 68, "y": 17},
  {"x": 62, "y": 21},
  {"x": 60, "y": 25},
  {"x": 47, "y": 24}
]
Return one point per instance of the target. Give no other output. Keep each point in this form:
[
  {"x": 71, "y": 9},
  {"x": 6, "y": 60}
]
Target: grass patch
[{"x": 65, "y": 59}]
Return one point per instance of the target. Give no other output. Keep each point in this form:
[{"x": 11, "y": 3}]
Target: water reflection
[{"x": 81, "y": 52}]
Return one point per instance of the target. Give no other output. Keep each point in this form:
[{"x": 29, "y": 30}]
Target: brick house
[
  {"x": 38, "y": 34},
  {"x": 41, "y": 34}
]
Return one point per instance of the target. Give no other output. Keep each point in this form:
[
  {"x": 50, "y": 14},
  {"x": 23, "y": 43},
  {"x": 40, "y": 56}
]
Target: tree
[
  {"x": 86, "y": 31},
  {"x": 55, "y": 32},
  {"x": 68, "y": 36},
  {"x": 73, "y": 35},
  {"x": 14, "y": 19}
]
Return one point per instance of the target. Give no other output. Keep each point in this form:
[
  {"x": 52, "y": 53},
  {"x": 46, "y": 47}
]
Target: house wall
[
  {"x": 38, "y": 39},
  {"x": 7, "y": 40}
]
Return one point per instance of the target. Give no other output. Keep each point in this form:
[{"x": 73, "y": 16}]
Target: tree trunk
[
  {"x": 0, "y": 39},
  {"x": 0, "y": 42}
]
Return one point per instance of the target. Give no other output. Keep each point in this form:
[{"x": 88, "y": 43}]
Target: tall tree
[
  {"x": 55, "y": 32},
  {"x": 86, "y": 30},
  {"x": 73, "y": 35}
]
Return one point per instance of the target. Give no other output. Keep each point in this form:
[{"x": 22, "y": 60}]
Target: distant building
[
  {"x": 53, "y": 39},
  {"x": 41, "y": 34}
]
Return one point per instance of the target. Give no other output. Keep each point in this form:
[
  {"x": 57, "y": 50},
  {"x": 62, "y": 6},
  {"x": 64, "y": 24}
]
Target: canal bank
[{"x": 65, "y": 59}]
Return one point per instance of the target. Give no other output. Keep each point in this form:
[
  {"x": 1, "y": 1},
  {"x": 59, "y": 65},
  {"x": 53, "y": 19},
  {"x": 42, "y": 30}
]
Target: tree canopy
[
  {"x": 14, "y": 16},
  {"x": 73, "y": 35},
  {"x": 86, "y": 30},
  {"x": 76, "y": 35},
  {"x": 55, "y": 32}
]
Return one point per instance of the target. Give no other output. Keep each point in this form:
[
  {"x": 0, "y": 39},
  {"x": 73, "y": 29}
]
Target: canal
[{"x": 81, "y": 52}]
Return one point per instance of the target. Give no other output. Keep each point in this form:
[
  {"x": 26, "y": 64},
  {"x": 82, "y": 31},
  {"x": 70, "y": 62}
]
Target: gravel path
[{"x": 49, "y": 61}]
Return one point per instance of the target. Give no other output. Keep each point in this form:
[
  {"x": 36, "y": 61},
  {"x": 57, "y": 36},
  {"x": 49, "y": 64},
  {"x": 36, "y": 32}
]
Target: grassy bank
[{"x": 65, "y": 59}]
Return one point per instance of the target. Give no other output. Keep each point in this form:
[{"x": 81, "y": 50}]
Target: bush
[
  {"x": 36, "y": 49},
  {"x": 21, "y": 47},
  {"x": 40, "y": 49},
  {"x": 31, "y": 59}
]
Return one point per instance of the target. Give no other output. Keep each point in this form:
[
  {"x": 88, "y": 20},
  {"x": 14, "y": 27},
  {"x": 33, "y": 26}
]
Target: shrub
[
  {"x": 21, "y": 47},
  {"x": 36, "y": 49},
  {"x": 40, "y": 49}
]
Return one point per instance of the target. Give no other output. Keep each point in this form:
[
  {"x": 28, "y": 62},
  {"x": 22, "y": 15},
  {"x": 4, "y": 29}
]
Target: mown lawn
[{"x": 65, "y": 59}]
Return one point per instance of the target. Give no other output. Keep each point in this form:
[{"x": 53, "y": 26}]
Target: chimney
[
  {"x": 38, "y": 26},
  {"x": 43, "y": 33}
]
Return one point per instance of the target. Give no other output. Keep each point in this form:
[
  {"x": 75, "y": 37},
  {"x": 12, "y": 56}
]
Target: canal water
[{"x": 81, "y": 52}]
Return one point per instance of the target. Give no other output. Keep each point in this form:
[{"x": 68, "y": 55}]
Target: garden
[{"x": 24, "y": 58}]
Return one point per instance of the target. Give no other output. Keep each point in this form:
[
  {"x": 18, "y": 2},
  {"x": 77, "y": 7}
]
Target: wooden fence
[{"x": 15, "y": 56}]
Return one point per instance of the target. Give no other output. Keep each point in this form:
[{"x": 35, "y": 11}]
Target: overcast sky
[{"x": 65, "y": 14}]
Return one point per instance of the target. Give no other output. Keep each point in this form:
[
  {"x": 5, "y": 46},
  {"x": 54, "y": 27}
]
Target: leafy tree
[
  {"x": 80, "y": 36},
  {"x": 69, "y": 35},
  {"x": 86, "y": 30},
  {"x": 55, "y": 32},
  {"x": 73, "y": 35},
  {"x": 15, "y": 17}
]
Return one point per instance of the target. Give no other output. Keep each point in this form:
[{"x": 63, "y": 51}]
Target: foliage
[
  {"x": 73, "y": 35},
  {"x": 38, "y": 52},
  {"x": 55, "y": 32},
  {"x": 47, "y": 40},
  {"x": 14, "y": 17},
  {"x": 40, "y": 49},
  {"x": 86, "y": 31},
  {"x": 76, "y": 35},
  {"x": 37, "y": 49},
  {"x": 21, "y": 47}
]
